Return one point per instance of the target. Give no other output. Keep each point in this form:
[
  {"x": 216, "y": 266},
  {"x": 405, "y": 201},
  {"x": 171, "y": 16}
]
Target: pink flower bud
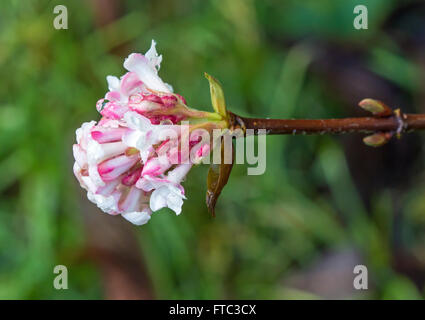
[
  {"x": 156, "y": 166},
  {"x": 112, "y": 168},
  {"x": 104, "y": 135},
  {"x": 131, "y": 178}
]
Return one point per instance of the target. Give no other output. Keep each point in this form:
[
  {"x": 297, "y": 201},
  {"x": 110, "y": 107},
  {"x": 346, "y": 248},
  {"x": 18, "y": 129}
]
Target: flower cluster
[{"x": 132, "y": 162}]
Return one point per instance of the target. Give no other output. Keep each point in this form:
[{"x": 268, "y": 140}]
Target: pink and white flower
[{"x": 131, "y": 162}]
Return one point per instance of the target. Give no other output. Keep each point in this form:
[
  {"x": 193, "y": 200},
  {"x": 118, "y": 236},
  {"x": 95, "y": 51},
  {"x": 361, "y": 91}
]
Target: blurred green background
[{"x": 324, "y": 204}]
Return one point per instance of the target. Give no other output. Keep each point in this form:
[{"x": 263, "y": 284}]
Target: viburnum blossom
[{"x": 132, "y": 161}]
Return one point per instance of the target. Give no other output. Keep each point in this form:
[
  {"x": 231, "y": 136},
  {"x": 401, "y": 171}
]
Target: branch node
[
  {"x": 236, "y": 122},
  {"x": 401, "y": 125}
]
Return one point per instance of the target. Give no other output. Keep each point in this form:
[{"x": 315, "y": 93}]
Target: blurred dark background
[{"x": 324, "y": 204}]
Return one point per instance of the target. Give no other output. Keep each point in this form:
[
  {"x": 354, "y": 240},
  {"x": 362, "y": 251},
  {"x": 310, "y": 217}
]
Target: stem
[{"x": 396, "y": 123}]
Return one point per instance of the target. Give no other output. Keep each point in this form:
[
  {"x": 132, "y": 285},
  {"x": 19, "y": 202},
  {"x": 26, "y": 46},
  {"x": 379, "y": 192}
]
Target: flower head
[{"x": 132, "y": 162}]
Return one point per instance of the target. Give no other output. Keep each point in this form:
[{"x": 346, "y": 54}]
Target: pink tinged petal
[
  {"x": 80, "y": 155},
  {"x": 145, "y": 154},
  {"x": 180, "y": 187},
  {"x": 182, "y": 99},
  {"x": 132, "y": 201},
  {"x": 108, "y": 135},
  {"x": 113, "y": 96},
  {"x": 100, "y": 104},
  {"x": 113, "y": 168},
  {"x": 82, "y": 133},
  {"x": 108, "y": 188},
  {"x": 98, "y": 152},
  {"x": 155, "y": 120},
  {"x": 163, "y": 119},
  {"x": 156, "y": 166},
  {"x": 110, "y": 123},
  {"x": 135, "y": 98},
  {"x": 145, "y": 106},
  {"x": 138, "y": 218},
  {"x": 174, "y": 155},
  {"x": 148, "y": 183},
  {"x": 95, "y": 177},
  {"x": 104, "y": 121},
  {"x": 137, "y": 139},
  {"x": 144, "y": 184},
  {"x": 165, "y": 147},
  {"x": 114, "y": 110},
  {"x": 202, "y": 152},
  {"x": 169, "y": 101},
  {"x": 152, "y": 98},
  {"x": 132, "y": 177},
  {"x": 89, "y": 184},
  {"x": 130, "y": 83},
  {"x": 145, "y": 71}
]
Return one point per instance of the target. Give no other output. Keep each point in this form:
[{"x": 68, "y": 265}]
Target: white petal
[
  {"x": 77, "y": 172},
  {"x": 144, "y": 154},
  {"x": 80, "y": 155},
  {"x": 95, "y": 176},
  {"x": 167, "y": 196},
  {"x": 158, "y": 199},
  {"x": 111, "y": 123},
  {"x": 132, "y": 138},
  {"x": 144, "y": 184},
  {"x": 175, "y": 202},
  {"x": 136, "y": 121},
  {"x": 153, "y": 57},
  {"x": 146, "y": 72},
  {"x": 113, "y": 83},
  {"x": 97, "y": 152},
  {"x": 109, "y": 187},
  {"x": 89, "y": 185},
  {"x": 148, "y": 183},
  {"x": 84, "y": 132},
  {"x": 138, "y": 218},
  {"x": 170, "y": 87},
  {"x": 106, "y": 204},
  {"x": 176, "y": 175}
]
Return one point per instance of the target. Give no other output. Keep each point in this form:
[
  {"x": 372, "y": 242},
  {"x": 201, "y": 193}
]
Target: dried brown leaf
[{"x": 218, "y": 176}]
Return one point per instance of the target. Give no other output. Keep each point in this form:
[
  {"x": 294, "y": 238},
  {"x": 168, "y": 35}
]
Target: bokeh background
[{"x": 324, "y": 204}]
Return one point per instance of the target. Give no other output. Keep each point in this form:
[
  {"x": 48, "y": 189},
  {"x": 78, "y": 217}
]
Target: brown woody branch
[
  {"x": 382, "y": 125},
  {"x": 396, "y": 123}
]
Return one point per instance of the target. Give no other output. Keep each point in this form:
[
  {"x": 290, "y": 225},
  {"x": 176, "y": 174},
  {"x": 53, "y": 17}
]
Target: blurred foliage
[{"x": 269, "y": 229}]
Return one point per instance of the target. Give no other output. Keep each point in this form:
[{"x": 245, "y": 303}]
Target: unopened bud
[
  {"x": 377, "y": 108},
  {"x": 377, "y": 139}
]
